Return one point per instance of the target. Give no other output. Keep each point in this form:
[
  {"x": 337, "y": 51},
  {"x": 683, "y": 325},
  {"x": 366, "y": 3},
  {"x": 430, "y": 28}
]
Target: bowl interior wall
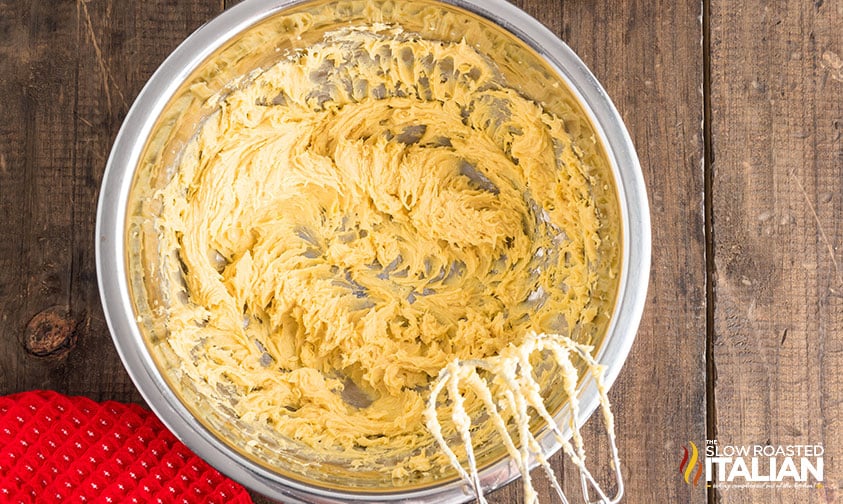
[{"x": 259, "y": 46}]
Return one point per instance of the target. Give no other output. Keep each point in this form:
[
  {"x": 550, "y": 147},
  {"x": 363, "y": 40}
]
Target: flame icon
[{"x": 689, "y": 460}]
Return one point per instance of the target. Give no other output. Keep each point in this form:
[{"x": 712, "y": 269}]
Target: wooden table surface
[{"x": 736, "y": 109}]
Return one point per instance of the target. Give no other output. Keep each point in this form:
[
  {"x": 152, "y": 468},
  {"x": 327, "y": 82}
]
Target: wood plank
[
  {"x": 777, "y": 116},
  {"x": 39, "y": 72},
  {"x": 647, "y": 55}
]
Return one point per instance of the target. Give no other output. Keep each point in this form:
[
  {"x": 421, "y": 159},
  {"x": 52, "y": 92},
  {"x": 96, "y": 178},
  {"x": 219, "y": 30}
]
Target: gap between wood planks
[{"x": 708, "y": 205}]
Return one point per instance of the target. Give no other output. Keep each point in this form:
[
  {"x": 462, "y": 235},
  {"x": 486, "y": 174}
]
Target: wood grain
[{"x": 777, "y": 107}]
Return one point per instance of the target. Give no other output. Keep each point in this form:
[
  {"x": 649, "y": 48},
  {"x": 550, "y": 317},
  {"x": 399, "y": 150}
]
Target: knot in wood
[{"x": 50, "y": 333}]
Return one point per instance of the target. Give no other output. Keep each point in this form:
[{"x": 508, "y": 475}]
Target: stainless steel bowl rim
[{"x": 112, "y": 275}]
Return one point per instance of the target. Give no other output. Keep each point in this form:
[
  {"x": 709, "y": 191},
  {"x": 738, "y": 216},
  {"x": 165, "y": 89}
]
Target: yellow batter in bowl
[{"x": 352, "y": 218}]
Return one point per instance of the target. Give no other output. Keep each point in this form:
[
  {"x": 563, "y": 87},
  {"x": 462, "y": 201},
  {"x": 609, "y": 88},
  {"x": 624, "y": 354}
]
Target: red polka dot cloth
[{"x": 55, "y": 448}]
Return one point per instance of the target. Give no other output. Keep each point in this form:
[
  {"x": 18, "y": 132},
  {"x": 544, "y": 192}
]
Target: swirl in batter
[{"x": 359, "y": 214}]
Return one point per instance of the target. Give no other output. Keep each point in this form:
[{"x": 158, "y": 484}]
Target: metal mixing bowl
[{"x": 251, "y": 35}]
